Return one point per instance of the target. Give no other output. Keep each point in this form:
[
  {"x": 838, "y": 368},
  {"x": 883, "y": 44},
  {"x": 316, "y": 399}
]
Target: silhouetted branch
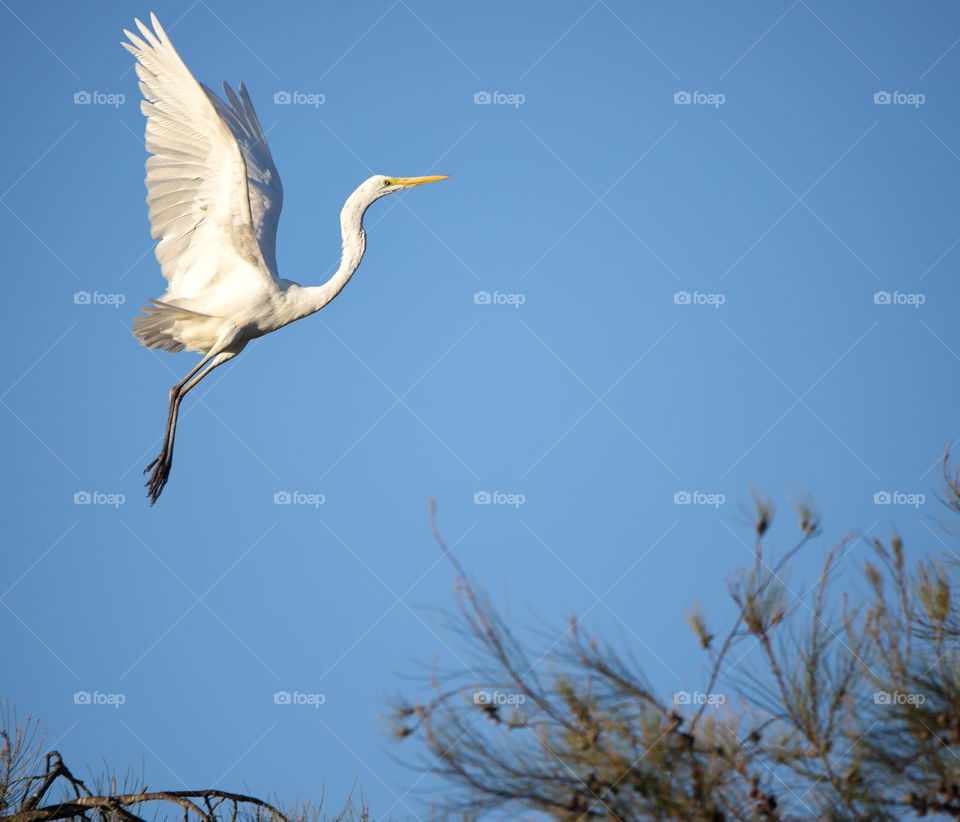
[{"x": 120, "y": 803}]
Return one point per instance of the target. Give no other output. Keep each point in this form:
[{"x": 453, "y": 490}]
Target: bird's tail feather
[{"x": 155, "y": 326}]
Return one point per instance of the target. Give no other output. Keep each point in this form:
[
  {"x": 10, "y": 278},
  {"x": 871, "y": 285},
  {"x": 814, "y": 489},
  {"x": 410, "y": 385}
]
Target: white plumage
[{"x": 214, "y": 198}]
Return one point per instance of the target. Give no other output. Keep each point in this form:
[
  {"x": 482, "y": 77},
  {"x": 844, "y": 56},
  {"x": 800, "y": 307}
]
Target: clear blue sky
[{"x": 782, "y": 198}]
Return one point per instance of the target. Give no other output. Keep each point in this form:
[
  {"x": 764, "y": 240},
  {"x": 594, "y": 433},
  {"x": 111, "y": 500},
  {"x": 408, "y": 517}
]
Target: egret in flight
[{"x": 214, "y": 199}]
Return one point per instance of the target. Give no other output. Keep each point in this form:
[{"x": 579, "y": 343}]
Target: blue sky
[{"x": 688, "y": 249}]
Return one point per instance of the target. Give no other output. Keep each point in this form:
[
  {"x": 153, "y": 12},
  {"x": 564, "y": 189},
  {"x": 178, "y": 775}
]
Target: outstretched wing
[
  {"x": 197, "y": 187},
  {"x": 264, "y": 189}
]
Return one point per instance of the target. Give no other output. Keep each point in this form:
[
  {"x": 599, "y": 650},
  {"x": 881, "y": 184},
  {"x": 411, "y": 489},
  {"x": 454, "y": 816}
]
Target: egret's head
[{"x": 379, "y": 186}]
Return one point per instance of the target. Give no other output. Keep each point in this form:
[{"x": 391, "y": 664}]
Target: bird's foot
[{"x": 161, "y": 472}]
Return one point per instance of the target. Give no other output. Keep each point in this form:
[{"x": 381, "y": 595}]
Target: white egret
[{"x": 214, "y": 199}]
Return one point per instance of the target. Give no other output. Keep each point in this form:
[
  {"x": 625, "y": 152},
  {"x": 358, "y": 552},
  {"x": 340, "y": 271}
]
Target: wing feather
[
  {"x": 264, "y": 188},
  {"x": 197, "y": 179}
]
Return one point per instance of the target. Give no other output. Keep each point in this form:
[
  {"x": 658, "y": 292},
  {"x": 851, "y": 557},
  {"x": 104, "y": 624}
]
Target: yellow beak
[{"x": 406, "y": 182}]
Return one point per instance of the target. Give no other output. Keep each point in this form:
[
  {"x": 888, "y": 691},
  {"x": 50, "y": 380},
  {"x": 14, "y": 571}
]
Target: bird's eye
[{"x": 386, "y": 183}]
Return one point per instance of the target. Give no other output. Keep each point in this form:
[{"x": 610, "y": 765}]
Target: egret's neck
[{"x": 354, "y": 244}]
